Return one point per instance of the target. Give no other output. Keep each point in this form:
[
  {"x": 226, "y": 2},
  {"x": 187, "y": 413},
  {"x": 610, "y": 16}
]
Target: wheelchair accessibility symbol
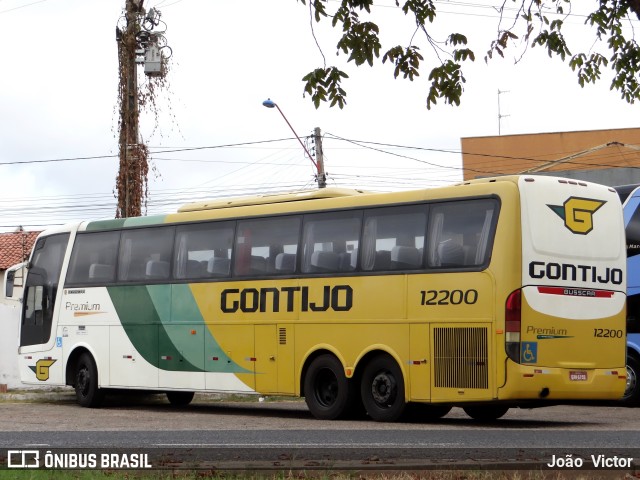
[{"x": 529, "y": 352}]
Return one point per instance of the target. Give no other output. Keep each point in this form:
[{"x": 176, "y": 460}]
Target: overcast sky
[{"x": 58, "y": 89}]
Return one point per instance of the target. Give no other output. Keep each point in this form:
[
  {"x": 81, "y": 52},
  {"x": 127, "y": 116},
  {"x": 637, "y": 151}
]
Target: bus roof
[
  {"x": 300, "y": 201},
  {"x": 316, "y": 194},
  {"x": 270, "y": 198}
]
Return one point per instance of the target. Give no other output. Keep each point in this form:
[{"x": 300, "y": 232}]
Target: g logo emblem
[
  {"x": 41, "y": 369},
  {"x": 577, "y": 213}
]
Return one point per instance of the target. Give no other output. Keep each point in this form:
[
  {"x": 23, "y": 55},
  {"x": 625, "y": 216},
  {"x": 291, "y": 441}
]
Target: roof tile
[{"x": 15, "y": 247}]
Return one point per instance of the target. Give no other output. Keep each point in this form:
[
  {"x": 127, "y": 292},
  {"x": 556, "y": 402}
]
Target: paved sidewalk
[{"x": 39, "y": 395}]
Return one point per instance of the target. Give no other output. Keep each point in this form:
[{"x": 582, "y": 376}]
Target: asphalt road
[{"x": 214, "y": 434}]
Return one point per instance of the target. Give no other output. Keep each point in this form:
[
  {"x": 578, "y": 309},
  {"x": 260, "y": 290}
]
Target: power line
[
  {"x": 102, "y": 205},
  {"x": 365, "y": 143},
  {"x": 186, "y": 149},
  {"x": 359, "y": 143},
  {"x": 22, "y": 6}
]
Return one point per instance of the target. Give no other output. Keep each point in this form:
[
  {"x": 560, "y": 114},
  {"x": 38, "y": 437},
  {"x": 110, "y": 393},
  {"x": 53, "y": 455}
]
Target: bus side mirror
[
  {"x": 8, "y": 284},
  {"x": 14, "y": 281}
]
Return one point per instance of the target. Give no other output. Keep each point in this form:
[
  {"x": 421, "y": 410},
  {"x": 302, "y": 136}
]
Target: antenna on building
[{"x": 500, "y": 115}]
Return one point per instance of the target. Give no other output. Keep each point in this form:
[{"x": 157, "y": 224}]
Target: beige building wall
[
  {"x": 9, "y": 341},
  {"x": 551, "y": 152}
]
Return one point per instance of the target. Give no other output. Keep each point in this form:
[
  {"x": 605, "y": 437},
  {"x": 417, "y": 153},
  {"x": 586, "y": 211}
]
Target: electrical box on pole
[{"x": 153, "y": 61}]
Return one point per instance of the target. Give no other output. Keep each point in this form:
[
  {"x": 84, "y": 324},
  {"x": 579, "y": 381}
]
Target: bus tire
[
  {"x": 382, "y": 389},
  {"x": 631, "y": 397},
  {"x": 179, "y": 399},
  {"x": 486, "y": 413},
  {"x": 327, "y": 391},
  {"x": 86, "y": 382}
]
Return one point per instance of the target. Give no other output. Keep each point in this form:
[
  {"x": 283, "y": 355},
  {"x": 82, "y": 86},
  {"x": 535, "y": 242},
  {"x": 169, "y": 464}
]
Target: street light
[{"x": 319, "y": 167}]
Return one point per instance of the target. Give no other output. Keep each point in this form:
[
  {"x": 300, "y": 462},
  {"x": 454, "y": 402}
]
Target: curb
[{"x": 37, "y": 395}]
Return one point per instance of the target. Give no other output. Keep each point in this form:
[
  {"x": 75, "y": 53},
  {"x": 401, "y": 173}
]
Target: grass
[{"x": 324, "y": 475}]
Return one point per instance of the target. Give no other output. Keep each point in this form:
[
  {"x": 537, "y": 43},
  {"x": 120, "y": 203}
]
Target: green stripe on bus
[
  {"x": 144, "y": 221},
  {"x": 185, "y": 328},
  {"x": 159, "y": 321},
  {"x": 105, "y": 225},
  {"x": 115, "y": 224},
  {"x": 141, "y": 321}
]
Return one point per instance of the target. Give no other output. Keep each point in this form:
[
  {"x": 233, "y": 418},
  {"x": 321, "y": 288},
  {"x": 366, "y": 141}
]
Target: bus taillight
[{"x": 512, "y": 325}]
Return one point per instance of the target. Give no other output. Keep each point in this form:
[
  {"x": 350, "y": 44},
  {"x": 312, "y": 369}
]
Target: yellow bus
[{"x": 487, "y": 295}]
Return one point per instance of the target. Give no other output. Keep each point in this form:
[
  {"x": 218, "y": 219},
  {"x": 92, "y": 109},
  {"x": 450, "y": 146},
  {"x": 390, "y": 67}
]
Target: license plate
[{"x": 578, "y": 376}]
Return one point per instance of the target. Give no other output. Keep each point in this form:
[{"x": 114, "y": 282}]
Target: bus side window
[
  {"x": 259, "y": 242},
  {"x": 145, "y": 254},
  {"x": 461, "y": 234},
  {"x": 393, "y": 238},
  {"x": 203, "y": 250},
  {"x": 93, "y": 259},
  {"x": 330, "y": 242}
]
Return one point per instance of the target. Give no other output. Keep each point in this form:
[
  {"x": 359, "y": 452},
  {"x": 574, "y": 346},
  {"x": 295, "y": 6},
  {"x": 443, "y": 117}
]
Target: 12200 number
[
  {"x": 448, "y": 297},
  {"x": 607, "y": 333}
]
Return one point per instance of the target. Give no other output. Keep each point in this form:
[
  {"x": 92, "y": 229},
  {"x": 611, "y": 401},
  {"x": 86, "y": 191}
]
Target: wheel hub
[
  {"x": 383, "y": 388},
  {"x": 327, "y": 388}
]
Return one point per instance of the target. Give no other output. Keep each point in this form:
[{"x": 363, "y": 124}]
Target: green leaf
[{"x": 609, "y": 39}]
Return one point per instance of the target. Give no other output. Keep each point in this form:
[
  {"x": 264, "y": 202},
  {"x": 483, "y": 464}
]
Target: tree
[{"x": 538, "y": 23}]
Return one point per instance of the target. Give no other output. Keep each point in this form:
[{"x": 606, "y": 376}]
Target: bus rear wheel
[
  {"x": 86, "y": 382},
  {"x": 631, "y": 395},
  {"x": 486, "y": 413},
  {"x": 382, "y": 389},
  {"x": 327, "y": 391},
  {"x": 179, "y": 399}
]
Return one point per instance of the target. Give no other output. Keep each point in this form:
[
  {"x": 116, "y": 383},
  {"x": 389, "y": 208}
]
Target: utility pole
[
  {"x": 132, "y": 117},
  {"x": 138, "y": 43},
  {"x": 322, "y": 176},
  {"x": 128, "y": 205}
]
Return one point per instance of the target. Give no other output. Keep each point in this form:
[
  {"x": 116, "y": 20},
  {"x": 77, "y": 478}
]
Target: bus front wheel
[
  {"x": 486, "y": 413},
  {"x": 631, "y": 395},
  {"x": 86, "y": 382},
  {"x": 382, "y": 389},
  {"x": 327, "y": 390}
]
